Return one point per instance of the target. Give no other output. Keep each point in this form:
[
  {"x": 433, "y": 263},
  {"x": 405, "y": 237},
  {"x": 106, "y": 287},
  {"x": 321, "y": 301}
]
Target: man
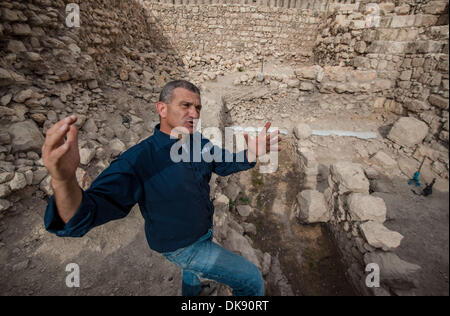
[{"x": 173, "y": 196}]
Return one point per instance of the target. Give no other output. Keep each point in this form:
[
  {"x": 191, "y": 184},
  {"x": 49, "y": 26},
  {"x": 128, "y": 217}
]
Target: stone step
[{"x": 407, "y": 47}]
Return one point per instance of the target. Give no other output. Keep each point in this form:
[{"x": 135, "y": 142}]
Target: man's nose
[{"x": 193, "y": 112}]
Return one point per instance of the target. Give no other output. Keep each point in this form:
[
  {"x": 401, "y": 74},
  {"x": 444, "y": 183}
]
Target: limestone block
[
  {"x": 378, "y": 236},
  {"x": 384, "y": 160},
  {"x": 365, "y": 207},
  {"x": 349, "y": 177},
  {"x": 394, "y": 272},
  {"x": 311, "y": 207},
  {"x": 408, "y": 131}
]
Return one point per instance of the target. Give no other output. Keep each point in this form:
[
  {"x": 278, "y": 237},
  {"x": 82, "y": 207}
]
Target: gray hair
[{"x": 167, "y": 91}]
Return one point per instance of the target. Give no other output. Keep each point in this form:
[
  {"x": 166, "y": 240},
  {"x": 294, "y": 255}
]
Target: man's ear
[{"x": 162, "y": 109}]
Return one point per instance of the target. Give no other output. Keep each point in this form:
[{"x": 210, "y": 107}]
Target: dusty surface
[
  {"x": 424, "y": 222},
  {"x": 114, "y": 259}
]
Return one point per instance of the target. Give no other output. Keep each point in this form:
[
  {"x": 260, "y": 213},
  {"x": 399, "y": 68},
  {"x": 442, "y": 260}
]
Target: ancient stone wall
[
  {"x": 319, "y": 5},
  {"x": 49, "y": 71},
  {"x": 406, "y": 44},
  {"x": 216, "y": 36}
]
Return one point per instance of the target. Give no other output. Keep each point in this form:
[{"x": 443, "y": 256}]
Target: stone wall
[
  {"x": 355, "y": 220},
  {"x": 407, "y": 45},
  {"x": 319, "y": 5},
  {"x": 49, "y": 71},
  {"x": 218, "y": 36}
]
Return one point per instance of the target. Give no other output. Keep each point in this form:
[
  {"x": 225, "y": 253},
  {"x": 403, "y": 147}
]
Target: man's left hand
[{"x": 260, "y": 145}]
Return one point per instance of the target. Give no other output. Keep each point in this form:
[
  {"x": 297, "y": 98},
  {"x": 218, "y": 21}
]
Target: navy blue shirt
[{"x": 173, "y": 197}]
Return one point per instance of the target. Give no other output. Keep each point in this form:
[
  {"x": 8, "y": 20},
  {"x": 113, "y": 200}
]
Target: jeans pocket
[
  {"x": 180, "y": 257},
  {"x": 172, "y": 255}
]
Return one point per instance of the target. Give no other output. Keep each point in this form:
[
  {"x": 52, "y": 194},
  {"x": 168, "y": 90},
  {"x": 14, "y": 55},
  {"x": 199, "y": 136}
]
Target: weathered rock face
[
  {"x": 379, "y": 236},
  {"x": 364, "y": 207},
  {"x": 26, "y": 136},
  {"x": 308, "y": 166},
  {"x": 244, "y": 210},
  {"x": 408, "y": 131},
  {"x": 232, "y": 191},
  {"x": 349, "y": 177},
  {"x": 311, "y": 207},
  {"x": 357, "y": 225},
  {"x": 302, "y": 131},
  {"x": 238, "y": 243},
  {"x": 396, "y": 273}
]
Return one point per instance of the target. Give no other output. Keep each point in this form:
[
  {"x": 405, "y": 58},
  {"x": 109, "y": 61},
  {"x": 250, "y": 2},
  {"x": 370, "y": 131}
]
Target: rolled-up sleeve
[
  {"x": 229, "y": 163},
  {"x": 111, "y": 196}
]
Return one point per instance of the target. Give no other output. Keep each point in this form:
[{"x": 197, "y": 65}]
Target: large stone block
[
  {"x": 4, "y": 205},
  {"x": 424, "y": 20},
  {"x": 16, "y": 47},
  {"x": 408, "y": 131},
  {"x": 416, "y": 106},
  {"x": 435, "y": 7},
  {"x": 26, "y": 136},
  {"x": 438, "y": 101},
  {"x": 407, "y": 35},
  {"x": 361, "y": 75},
  {"x": 307, "y": 158},
  {"x": 395, "y": 272},
  {"x": 402, "y": 9},
  {"x": 395, "y": 107},
  {"x": 11, "y": 15},
  {"x": 335, "y": 73},
  {"x": 21, "y": 29},
  {"x": 387, "y": 7},
  {"x": 18, "y": 182},
  {"x": 239, "y": 244},
  {"x": 311, "y": 207},
  {"x": 232, "y": 191},
  {"x": 365, "y": 207},
  {"x": 387, "y": 47},
  {"x": 402, "y": 21},
  {"x": 9, "y": 77},
  {"x": 302, "y": 131},
  {"x": 244, "y": 210},
  {"x": 378, "y": 236},
  {"x": 424, "y": 47},
  {"x": 349, "y": 177},
  {"x": 307, "y": 72}
]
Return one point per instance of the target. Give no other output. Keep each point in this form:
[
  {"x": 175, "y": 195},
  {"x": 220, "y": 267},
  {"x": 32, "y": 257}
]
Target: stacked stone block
[{"x": 357, "y": 226}]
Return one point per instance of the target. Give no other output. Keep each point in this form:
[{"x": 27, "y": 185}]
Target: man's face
[{"x": 183, "y": 110}]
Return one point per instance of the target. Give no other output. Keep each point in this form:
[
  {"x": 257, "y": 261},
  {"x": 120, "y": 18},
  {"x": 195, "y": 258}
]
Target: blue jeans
[{"x": 208, "y": 260}]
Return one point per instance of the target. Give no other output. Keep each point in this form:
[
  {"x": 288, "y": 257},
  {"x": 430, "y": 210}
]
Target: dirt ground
[{"x": 113, "y": 259}]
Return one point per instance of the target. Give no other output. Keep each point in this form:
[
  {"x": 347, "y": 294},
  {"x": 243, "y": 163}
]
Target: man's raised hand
[
  {"x": 260, "y": 145},
  {"x": 61, "y": 158}
]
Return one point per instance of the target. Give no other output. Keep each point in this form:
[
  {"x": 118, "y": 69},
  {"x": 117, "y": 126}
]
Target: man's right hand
[{"x": 61, "y": 158}]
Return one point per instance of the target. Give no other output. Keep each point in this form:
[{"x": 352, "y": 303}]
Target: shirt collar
[{"x": 162, "y": 139}]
